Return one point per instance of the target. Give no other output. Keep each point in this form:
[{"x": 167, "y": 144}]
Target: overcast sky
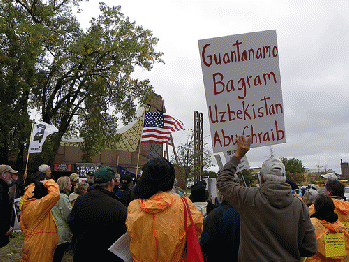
[{"x": 313, "y": 45}]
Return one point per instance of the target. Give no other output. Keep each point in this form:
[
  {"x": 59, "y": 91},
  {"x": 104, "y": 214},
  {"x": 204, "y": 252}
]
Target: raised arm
[{"x": 232, "y": 191}]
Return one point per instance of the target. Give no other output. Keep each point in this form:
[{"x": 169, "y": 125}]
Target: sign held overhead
[{"x": 243, "y": 89}]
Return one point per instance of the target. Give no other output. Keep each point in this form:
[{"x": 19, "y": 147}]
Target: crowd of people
[{"x": 272, "y": 222}]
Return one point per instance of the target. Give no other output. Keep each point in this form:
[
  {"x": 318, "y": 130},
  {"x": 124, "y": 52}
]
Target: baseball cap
[
  {"x": 74, "y": 177},
  {"x": 104, "y": 174},
  {"x": 273, "y": 166},
  {"x": 330, "y": 176},
  {"x": 6, "y": 168}
]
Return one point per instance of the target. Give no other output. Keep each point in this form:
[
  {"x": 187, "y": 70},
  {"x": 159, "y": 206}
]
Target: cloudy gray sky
[{"x": 313, "y": 44}]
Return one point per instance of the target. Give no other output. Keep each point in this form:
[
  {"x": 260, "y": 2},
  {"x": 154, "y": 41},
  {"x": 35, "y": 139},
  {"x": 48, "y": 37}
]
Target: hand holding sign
[{"x": 243, "y": 146}]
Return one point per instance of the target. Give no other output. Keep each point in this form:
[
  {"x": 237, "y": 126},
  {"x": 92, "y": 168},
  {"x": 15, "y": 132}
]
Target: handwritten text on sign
[{"x": 243, "y": 89}]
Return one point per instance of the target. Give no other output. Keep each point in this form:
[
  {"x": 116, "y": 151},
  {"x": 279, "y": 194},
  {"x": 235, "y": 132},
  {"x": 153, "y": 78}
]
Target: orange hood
[
  {"x": 342, "y": 206},
  {"x": 157, "y": 203}
]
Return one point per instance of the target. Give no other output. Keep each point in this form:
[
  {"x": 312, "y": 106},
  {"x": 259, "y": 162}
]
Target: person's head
[
  {"x": 310, "y": 196},
  {"x": 105, "y": 178},
  {"x": 90, "y": 177},
  {"x": 37, "y": 176},
  {"x": 81, "y": 188},
  {"x": 329, "y": 177},
  {"x": 46, "y": 170},
  {"x": 8, "y": 174},
  {"x": 64, "y": 184},
  {"x": 334, "y": 188},
  {"x": 198, "y": 193},
  {"x": 324, "y": 209},
  {"x": 125, "y": 181},
  {"x": 39, "y": 190},
  {"x": 74, "y": 178},
  {"x": 273, "y": 170},
  {"x": 158, "y": 175}
]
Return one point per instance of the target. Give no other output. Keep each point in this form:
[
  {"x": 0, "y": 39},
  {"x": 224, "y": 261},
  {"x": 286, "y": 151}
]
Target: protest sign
[
  {"x": 243, "y": 89},
  {"x": 40, "y": 132}
]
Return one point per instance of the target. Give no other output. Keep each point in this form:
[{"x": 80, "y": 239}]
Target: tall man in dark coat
[
  {"x": 97, "y": 220},
  {"x": 6, "y": 173}
]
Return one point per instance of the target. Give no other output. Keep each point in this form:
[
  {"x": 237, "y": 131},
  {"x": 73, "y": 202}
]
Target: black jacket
[
  {"x": 5, "y": 213},
  {"x": 221, "y": 232},
  {"x": 97, "y": 220}
]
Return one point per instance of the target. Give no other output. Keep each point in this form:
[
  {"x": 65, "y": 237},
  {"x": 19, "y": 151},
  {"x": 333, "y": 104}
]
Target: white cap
[
  {"x": 330, "y": 176},
  {"x": 273, "y": 166}
]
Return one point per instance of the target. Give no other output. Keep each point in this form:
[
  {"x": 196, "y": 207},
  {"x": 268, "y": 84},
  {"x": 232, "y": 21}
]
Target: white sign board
[{"x": 243, "y": 89}]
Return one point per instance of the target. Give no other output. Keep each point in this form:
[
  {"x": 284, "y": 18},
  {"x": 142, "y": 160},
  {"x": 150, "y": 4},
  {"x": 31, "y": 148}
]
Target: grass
[{"x": 13, "y": 250}]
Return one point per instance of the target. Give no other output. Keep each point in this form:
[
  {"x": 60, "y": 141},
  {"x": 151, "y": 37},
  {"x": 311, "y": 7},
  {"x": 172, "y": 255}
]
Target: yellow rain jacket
[
  {"x": 321, "y": 229},
  {"x": 156, "y": 227},
  {"x": 341, "y": 209},
  {"x": 40, "y": 235}
]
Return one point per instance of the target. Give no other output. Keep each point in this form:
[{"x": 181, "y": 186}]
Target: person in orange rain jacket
[
  {"x": 335, "y": 189},
  {"x": 327, "y": 225},
  {"x": 40, "y": 235},
  {"x": 155, "y": 220}
]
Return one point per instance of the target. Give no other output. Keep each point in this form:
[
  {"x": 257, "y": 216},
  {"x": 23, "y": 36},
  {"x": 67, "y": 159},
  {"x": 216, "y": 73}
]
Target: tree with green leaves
[
  {"x": 248, "y": 176},
  {"x": 18, "y": 53},
  {"x": 294, "y": 169},
  {"x": 184, "y": 157},
  {"x": 81, "y": 81}
]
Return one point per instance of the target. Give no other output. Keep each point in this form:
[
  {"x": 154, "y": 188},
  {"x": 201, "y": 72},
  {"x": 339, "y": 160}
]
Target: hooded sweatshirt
[
  {"x": 321, "y": 228},
  {"x": 275, "y": 225},
  {"x": 156, "y": 227}
]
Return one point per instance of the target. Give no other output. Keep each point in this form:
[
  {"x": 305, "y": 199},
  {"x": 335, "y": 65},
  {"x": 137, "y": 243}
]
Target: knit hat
[
  {"x": 158, "y": 175},
  {"x": 273, "y": 166},
  {"x": 104, "y": 175}
]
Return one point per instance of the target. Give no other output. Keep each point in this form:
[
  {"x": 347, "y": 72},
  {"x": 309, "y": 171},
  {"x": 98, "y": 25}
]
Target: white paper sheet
[{"x": 121, "y": 248}]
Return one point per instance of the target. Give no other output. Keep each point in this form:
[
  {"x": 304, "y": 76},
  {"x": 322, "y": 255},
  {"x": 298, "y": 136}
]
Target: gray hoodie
[{"x": 275, "y": 225}]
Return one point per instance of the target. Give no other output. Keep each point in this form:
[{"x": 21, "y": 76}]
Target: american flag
[{"x": 158, "y": 128}]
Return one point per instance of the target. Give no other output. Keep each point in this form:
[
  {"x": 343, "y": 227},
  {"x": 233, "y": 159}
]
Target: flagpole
[
  {"x": 26, "y": 164},
  {"x": 117, "y": 163},
  {"x": 139, "y": 152}
]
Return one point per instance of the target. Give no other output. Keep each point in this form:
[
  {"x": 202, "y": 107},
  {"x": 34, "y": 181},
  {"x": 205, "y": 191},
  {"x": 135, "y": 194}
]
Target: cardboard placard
[
  {"x": 243, "y": 89},
  {"x": 335, "y": 245}
]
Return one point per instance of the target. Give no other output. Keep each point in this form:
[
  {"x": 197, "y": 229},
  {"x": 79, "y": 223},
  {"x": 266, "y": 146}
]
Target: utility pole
[{"x": 198, "y": 146}]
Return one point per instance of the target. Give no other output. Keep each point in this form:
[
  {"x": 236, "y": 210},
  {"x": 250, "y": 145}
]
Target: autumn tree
[
  {"x": 19, "y": 50},
  {"x": 247, "y": 176},
  {"x": 184, "y": 157},
  {"x": 294, "y": 169},
  {"x": 81, "y": 81}
]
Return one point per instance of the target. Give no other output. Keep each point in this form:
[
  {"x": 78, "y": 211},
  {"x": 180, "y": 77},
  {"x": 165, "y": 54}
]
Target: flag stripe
[{"x": 158, "y": 128}]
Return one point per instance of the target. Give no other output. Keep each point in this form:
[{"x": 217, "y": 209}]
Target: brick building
[
  {"x": 68, "y": 158},
  {"x": 345, "y": 170}
]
